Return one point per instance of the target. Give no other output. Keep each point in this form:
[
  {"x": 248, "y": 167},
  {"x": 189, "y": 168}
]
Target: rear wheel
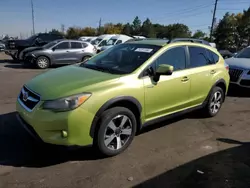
[
  {"x": 116, "y": 132},
  {"x": 215, "y": 102},
  {"x": 86, "y": 58},
  {"x": 42, "y": 62}
]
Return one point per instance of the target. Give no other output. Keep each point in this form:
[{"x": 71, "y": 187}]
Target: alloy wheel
[
  {"x": 42, "y": 62},
  {"x": 216, "y": 102},
  {"x": 118, "y": 132}
]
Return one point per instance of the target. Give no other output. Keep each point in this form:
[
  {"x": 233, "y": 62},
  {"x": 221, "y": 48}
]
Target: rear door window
[
  {"x": 63, "y": 45},
  {"x": 76, "y": 45},
  {"x": 198, "y": 57}
]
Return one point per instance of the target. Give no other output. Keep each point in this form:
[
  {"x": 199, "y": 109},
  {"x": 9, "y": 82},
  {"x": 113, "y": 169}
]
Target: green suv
[{"x": 107, "y": 99}]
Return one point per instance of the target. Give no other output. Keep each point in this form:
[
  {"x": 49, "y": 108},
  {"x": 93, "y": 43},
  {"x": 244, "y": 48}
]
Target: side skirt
[{"x": 171, "y": 116}]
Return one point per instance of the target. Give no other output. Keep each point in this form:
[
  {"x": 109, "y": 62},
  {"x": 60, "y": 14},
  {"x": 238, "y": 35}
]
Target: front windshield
[
  {"x": 245, "y": 53},
  {"x": 121, "y": 59},
  {"x": 111, "y": 42},
  {"x": 50, "y": 44},
  {"x": 96, "y": 41},
  {"x": 88, "y": 40}
]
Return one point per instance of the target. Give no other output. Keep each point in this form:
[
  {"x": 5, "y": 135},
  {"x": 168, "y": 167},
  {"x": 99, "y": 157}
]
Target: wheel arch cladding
[
  {"x": 123, "y": 101},
  {"x": 219, "y": 83}
]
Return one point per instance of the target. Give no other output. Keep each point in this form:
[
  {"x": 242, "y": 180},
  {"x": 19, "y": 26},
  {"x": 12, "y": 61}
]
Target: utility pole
[
  {"x": 100, "y": 25},
  {"x": 33, "y": 22},
  {"x": 212, "y": 25}
]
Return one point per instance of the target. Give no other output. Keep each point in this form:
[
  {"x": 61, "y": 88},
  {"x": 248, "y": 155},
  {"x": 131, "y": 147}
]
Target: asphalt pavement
[{"x": 188, "y": 151}]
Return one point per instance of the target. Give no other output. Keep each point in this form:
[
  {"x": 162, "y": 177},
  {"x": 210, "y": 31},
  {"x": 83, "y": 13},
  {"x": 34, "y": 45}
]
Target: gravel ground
[{"x": 185, "y": 152}]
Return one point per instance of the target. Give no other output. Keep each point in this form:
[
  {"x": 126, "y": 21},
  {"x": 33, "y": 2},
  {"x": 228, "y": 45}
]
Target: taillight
[{"x": 226, "y": 66}]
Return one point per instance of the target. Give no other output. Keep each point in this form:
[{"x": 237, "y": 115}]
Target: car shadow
[
  {"x": 236, "y": 91},
  {"x": 227, "y": 168},
  {"x": 21, "y": 66},
  {"x": 16, "y": 66},
  {"x": 7, "y": 61},
  {"x": 18, "y": 148}
]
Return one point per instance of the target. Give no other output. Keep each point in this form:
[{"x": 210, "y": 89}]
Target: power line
[{"x": 212, "y": 25}]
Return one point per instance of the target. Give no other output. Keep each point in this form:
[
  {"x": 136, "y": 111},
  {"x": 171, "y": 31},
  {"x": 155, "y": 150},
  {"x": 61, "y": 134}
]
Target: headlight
[{"x": 67, "y": 103}]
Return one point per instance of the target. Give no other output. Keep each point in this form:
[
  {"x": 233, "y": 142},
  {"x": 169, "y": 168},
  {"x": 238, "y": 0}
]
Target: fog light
[{"x": 64, "y": 134}]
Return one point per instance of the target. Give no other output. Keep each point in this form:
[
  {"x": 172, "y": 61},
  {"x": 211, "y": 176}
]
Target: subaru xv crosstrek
[{"x": 107, "y": 99}]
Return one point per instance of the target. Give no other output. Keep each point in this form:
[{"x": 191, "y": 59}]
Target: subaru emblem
[{"x": 25, "y": 96}]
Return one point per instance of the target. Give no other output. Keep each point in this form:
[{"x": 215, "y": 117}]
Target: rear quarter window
[
  {"x": 198, "y": 57},
  {"x": 213, "y": 57}
]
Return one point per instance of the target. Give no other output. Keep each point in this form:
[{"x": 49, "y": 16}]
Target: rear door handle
[
  {"x": 67, "y": 51},
  {"x": 213, "y": 72},
  {"x": 185, "y": 79}
]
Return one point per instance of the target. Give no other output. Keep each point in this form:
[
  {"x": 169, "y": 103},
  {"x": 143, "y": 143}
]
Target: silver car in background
[
  {"x": 58, "y": 52},
  {"x": 2, "y": 46},
  {"x": 239, "y": 68}
]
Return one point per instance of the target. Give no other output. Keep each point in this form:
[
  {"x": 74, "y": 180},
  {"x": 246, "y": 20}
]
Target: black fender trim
[
  {"x": 220, "y": 81},
  {"x": 107, "y": 105}
]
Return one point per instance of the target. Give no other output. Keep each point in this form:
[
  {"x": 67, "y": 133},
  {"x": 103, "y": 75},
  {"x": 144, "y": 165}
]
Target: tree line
[{"x": 231, "y": 32}]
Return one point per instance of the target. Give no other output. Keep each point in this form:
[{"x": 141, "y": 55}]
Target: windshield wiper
[{"x": 98, "y": 68}]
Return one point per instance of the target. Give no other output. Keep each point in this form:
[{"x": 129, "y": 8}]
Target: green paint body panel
[{"x": 165, "y": 97}]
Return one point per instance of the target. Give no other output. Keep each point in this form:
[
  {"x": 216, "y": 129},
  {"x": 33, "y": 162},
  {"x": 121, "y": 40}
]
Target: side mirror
[
  {"x": 53, "y": 49},
  {"x": 163, "y": 69}
]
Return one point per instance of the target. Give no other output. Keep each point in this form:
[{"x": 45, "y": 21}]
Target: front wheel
[
  {"x": 85, "y": 58},
  {"x": 214, "y": 102},
  {"x": 116, "y": 132},
  {"x": 42, "y": 62}
]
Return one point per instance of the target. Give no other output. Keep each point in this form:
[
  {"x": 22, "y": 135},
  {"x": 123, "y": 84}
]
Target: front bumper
[
  {"x": 49, "y": 125},
  {"x": 12, "y": 53},
  {"x": 29, "y": 59},
  {"x": 243, "y": 80}
]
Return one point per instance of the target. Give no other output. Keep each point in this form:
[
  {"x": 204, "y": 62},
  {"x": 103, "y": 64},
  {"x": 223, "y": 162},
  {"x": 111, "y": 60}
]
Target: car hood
[
  {"x": 31, "y": 49},
  {"x": 243, "y": 63},
  {"x": 69, "y": 80},
  {"x": 20, "y": 42},
  {"x": 106, "y": 47}
]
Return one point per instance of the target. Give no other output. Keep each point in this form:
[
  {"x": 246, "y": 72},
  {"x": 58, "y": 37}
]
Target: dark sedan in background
[
  {"x": 226, "y": 54},
  {"x": 13, "y": 47},
  {"x": 58, "y": 52}
]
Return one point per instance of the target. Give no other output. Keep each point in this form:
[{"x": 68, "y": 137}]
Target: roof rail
[{"x": 189, "y": 40}]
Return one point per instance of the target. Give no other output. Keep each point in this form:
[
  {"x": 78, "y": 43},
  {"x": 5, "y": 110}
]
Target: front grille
[
  {"x": 235, "y": 74},
  {"x": 11, "y": 45},
  {"x": 28, "y": 98},
  {"x": 245, "y": 82}
]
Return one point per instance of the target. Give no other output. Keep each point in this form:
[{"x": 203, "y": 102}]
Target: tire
[
  {"x": 85, "y": 58},
  {"x": 42, "y": 62},
  {"x": 211, "y": 110},
  {"x": 115, "y": 115}
]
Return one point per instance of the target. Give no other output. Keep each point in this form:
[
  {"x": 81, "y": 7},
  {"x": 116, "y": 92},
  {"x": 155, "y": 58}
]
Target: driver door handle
[
  {"x": 185, "y": 79},
  {"x": 213, "y": 72}
]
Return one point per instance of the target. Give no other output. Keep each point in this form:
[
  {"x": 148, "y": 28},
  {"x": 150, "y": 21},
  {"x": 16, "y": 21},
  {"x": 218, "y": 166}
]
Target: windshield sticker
[{"x": 146, "y": 50}]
